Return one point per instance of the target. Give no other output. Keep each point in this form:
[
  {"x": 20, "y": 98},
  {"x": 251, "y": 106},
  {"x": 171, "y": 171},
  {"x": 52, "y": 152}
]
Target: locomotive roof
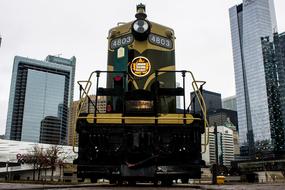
[{"x": 126, "y": 28}]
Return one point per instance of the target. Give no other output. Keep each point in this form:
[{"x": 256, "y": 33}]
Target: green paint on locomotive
[{"x": 159, "y": 51}]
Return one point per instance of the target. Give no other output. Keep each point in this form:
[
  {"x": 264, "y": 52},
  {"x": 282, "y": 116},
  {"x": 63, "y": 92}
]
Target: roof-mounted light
[{"x": 141, "y": 27}]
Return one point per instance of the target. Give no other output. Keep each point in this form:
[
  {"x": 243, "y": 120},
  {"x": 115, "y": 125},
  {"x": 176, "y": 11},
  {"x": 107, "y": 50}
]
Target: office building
[
  {"x": 279, "y": 47},
  {"x": 226, "y": 150},
  {"x": 222, "y": 116},
  {"x": 178, "y": 98},
  {"x": 226, "y": 118},
  {"x": 40, "y": 94},
  {"x": 212, "y": 100},
  {"x": 89, "y": 105},
  {"x": 50, "y": 130},
  {"x": 250, "y": 21},
  {"x": 85, "y": 108},
  {"x": 11, "y": 152},
  {"x": 72, "y": 123},
  {"x": 274, "y": 64},
  {"x": 230, "y": 103}
]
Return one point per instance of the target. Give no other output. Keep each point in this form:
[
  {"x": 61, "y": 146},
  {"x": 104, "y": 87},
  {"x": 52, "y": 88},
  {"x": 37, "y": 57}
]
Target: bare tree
[
  {"x": 55, "y": 156},
  {"x": 29, "y": 159},
  {"x": 36, "y": 157},
  {"x": 42, "y": 158}
]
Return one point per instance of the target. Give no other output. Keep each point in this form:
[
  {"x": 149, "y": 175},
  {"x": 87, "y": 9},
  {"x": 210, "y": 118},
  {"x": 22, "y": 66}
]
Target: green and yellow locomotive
[{"x": 140, "y": 135}]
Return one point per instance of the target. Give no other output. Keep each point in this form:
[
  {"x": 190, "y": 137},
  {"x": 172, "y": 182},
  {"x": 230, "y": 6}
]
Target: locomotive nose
[{"x": 141, "y": 27}]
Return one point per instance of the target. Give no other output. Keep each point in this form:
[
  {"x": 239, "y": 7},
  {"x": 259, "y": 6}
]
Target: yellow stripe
[
  {"x": 116, "y": 118},
  {"x": 175, "y": 119},
  {"x": 105, "y": 118},
  {"x": 135, "y": 84}
]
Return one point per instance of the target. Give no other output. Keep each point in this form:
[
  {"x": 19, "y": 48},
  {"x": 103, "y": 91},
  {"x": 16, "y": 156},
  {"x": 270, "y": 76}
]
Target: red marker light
[
  {"x": 117, "y": 78},
  {"x": 108, "y": 108}
]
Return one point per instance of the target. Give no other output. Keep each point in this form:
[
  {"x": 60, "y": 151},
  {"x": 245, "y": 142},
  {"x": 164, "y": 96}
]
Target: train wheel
[
  {"x": 112, "y": 181},
  {"x": 166, "y": 182},
  {"x": 132, "y": 182},
  {"x": 93, "y": 180},
  {"x": 185, "y": 181},
  {"x": 81, "y": 180},
  {"x": 155, "y": 182},
  {"x": 119, "y": 182}
]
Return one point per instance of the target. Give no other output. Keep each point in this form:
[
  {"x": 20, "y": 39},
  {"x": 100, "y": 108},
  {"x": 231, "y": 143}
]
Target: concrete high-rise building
[
  {"x": 222, "y": 116},
  {"x": 212, "y": 100},
  {"x": 40, "y": 94},
  {"x": 178, "y": 98},
  {"x": 72, "y": 123},
  {"x": 226, "y": 148},
  {"x": 88, "y": 105},
  {"x": 250, "y": 21},
  {"x": 230, "y": 103},
  {"x": 101, "y": 108}
]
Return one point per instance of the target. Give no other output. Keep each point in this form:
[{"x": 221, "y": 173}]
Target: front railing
[{"x": 85, "y": 86}]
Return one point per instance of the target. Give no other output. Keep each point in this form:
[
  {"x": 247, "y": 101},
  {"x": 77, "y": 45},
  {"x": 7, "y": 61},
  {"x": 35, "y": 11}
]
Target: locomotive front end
[{"x": 141, "y": 135}]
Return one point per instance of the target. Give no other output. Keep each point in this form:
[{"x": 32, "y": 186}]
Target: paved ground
[{"x": 10, "y": 186}]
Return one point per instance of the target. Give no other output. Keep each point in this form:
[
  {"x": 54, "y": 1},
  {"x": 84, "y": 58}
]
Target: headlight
[
  {"x": 141, "y": 29},
  {"x": 140, "y": 26}
]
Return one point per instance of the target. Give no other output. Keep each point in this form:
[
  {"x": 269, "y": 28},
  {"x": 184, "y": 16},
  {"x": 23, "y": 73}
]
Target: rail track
[{"x": 140, "y": 186}]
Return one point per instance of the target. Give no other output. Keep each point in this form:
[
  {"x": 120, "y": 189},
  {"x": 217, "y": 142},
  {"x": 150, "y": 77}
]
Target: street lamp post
[
  {"x": 7, "y": 170},
  {"x": 216, "y": 165}
]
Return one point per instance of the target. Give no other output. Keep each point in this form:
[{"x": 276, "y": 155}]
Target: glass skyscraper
[
  {"x": 250, "y": 21},
  {"x": 278, "y": 47},
  {"x": 40, "y": 94},
  {"x": 274, "y": 64}
]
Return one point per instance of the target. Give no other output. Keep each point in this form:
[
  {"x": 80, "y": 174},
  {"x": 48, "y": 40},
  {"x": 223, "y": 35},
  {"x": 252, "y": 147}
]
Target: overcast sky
[{"x": 37, "y": 28}]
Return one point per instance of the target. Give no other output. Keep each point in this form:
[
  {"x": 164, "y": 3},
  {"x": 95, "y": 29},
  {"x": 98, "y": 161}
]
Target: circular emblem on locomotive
[{"x": 140, "y": 66}]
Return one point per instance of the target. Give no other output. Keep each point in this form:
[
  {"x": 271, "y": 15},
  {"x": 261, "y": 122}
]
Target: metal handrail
[
  {"x": 142, "y": 118},
  {"x": 195, "y": 87},
  {"x": 79, "y": 106},
  {"x": 203, "y": 109}
]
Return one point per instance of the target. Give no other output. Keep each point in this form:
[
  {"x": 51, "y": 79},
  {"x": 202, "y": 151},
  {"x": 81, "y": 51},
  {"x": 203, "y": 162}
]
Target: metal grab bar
[
  {"x": 79, "y": 106},
  {"x": 203, "y": 109},
  {"x": 82, "y": 99}
]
